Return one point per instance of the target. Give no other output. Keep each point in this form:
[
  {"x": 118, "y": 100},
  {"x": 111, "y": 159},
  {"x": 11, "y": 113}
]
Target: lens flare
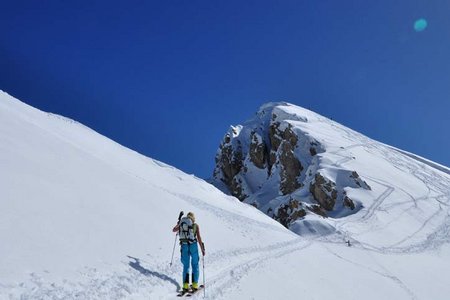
[{"x": 420, "y": 25}]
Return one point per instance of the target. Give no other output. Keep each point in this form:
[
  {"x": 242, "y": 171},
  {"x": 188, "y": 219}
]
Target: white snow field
[{"x": 82, "y": 217}]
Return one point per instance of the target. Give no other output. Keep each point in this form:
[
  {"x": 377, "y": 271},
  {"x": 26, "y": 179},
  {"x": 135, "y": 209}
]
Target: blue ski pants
[{"x": 188, "y": 252}]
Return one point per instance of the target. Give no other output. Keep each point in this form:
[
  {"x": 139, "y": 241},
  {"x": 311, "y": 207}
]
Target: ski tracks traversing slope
[
  {"x": 94, "y": 285},
  {"x": 377, "y": 203},
  {"x": 155, "y": 281},
  {"x": 225, "y": 268},
  {"x": 385, "y": 272},
  {"x": 434, "y": 181},
  {"x": 233, "y": 266},
  {"x": 437, "y": 186}
]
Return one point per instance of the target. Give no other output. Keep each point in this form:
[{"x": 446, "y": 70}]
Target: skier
[{"x": 189, "y": 232}]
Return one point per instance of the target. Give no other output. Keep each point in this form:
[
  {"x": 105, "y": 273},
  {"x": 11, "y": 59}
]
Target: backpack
[{"x": 187, "y": 231}]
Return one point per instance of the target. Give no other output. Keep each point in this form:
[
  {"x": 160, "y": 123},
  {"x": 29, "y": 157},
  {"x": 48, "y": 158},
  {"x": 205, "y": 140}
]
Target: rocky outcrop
[
  {"x": 231, "y": 162},
  {"x": 359, "y": 182},
  {"x": 318, "y": 210},
  {"x": 273, "y": 152},
  {"x": 324, "y": 191},
  {"x": 287, "y": 213},
  {"x": 258, "y": 151},
  {"x": 275, "y": 141},
  {"x": 237, "y": 190},
  {"x": 349, "y": 203},
  {"x": 274, "y": 163},
  {"x": 290, "y": 169}
]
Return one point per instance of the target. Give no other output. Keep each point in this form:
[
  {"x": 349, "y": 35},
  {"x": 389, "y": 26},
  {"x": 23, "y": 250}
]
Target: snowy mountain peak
[
  {"x": 298, "y": 166},
  {"x": 272, "y": 111}
]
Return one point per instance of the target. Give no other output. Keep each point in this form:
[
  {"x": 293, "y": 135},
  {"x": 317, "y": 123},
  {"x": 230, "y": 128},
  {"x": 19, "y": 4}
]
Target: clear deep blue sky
[{"x": 167, "y": 78}]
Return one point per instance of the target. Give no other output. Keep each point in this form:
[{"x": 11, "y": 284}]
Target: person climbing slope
[{"x": 189, "y": 233}]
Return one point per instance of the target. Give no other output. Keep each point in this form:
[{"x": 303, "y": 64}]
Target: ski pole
[
  {"x": 173, "y": 251},
  {"x": 175, "y": 242},
  {"x": 203, "y": 263}
]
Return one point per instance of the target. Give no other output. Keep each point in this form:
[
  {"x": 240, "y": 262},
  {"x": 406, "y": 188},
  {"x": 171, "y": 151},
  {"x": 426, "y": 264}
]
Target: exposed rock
[
  {"x": 317, "y": 210},
  {"x": 277, "y": 136},
  {"x": 290, "y": 169},
  {"x": 229, "y": 160},
  {"x": 236, "y": 189},
  {"x": 289, "y": 212},
  {"x": 273, "y": 155},
  {"x": 324, "y": 191},
  {"x": 349, "y": 203},
  {"x": 359, "y": 182},
  {"x": 258, "y": 151},
  {"x": 289, "y": 135},
  {"x": 224, "y": 160},
  {"x": 275, "y": 141},
  {"x": 227, "y": 139}
]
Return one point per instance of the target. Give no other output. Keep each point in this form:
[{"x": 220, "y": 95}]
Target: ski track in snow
[
  {"x": 224, "y": 268},
  {"x": 376, "y": 204},
  {"x": 226, "y": 279},
  {"x": 439, "y": 211},
  {"x": 426, "y": 173},
  {"x": 385, "y": 273}
]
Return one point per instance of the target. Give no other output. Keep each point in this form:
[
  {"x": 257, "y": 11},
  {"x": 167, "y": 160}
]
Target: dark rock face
[
  {"x": 273, "y": 153},
  {"x": 324, "y": 191},
  {"x": 290, "y": 212},
  {"x": 236, "y": 189},
  {"x": 275, "y": 141},
  {"x": 290, "y": 169},
  {"x": 349, "y": 203},
  {"x": 231, "y": 162},
  {"x": 359, "y": 182},
  {"x": 258, "y": 151},
  {"x": 318, "y": 210}
]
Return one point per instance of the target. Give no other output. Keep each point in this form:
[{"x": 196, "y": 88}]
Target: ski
[
  {"x": 192, "y": 292},
  {"x": 183, "y": 293}
]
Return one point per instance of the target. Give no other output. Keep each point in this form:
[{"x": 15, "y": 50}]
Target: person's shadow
[{"x": 136, "y": 264}]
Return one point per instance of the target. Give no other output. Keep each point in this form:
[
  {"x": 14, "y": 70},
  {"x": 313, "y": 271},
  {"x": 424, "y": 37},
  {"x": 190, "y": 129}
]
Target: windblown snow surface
[{"x": 82, "y": 217}]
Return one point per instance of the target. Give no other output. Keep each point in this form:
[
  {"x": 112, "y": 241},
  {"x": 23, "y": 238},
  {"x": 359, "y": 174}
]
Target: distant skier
[{"x": 189, "y": 232}]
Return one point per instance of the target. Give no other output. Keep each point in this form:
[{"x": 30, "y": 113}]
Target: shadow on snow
[{"x": 136, "y": 264}]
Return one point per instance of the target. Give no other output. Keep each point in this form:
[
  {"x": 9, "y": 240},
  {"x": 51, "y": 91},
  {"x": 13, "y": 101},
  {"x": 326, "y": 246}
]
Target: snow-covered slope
[
  {"x": 316, "y": 176},
  {"x": 74, "y": 205},
  {"x": 82, "y": 217}
]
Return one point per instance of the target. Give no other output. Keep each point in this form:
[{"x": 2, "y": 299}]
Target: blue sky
[{"x": 167, "y": 78}]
